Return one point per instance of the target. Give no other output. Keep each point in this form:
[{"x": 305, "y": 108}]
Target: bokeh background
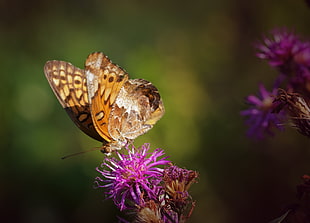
[{"x": 198, "y": 53}]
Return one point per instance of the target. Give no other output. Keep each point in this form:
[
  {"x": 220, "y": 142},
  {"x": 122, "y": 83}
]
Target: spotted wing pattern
[
  {"x": 104, "y": 81},
  {"x": 136, "y": 109},
  {"x": 69, "y": 85}
]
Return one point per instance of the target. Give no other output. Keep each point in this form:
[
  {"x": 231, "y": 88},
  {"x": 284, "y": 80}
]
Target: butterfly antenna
[{"x": 82, "y": 152}]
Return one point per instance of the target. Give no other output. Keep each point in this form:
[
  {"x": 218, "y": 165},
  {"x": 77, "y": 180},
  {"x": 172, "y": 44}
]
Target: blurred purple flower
[
  {"x": 285, "y": 51},
  {"x": 280, "y": 49},
  {"x": 133, "y": 178},
  {"x": 300, "y": 82},
  {"x": 302, "y": 57},
  {"x": 261, "y": 119}
]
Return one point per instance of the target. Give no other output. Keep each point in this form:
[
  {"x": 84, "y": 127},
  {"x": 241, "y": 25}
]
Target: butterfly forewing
[
  {"x": 104, "y": 81},
  {"x": 69, "y": 85}
]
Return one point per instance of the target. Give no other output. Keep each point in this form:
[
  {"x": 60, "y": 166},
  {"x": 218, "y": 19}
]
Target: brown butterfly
[{"x": 103, "y": 102}]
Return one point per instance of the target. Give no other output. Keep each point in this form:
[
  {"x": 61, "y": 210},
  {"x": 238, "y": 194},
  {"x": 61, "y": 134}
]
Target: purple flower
[
  {"x": 302, "y": 57},
  {"x": 177, "y": 182},
  {"x": 133, "y": 178},
  {"x": 280, "y": 49},
  {"x": 300, "y": 82},
  {"x": 174, "y": 204},
  {"x": 179, "y": 204},
  {"x": 261, "y": 119},
  {"x": 285, "y": 51},
  {"x": 137, "y": 184}
]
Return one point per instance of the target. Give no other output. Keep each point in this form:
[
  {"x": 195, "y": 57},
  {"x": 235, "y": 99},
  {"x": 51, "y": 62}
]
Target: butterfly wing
[
  {"x": 69, "y": 85},
  {"x": 136, "y": 110},
  {"x": 104, "y": 81}
]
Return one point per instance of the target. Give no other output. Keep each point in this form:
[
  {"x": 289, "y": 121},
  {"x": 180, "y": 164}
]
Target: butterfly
[{"x": 103, "y": 102}]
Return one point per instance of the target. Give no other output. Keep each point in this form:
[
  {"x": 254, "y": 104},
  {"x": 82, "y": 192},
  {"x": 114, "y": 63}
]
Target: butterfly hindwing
[
  {"x": 69, "y": 85},
  {"x": 104, "y": 81}
]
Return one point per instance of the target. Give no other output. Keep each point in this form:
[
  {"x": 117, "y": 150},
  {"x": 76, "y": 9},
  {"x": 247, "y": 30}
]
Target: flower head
[
  {"x": 300, "y": 82},
  {"x": 297, "y": 108},
  {"x": 261, "y": 118},
  {"x": 280, "y": 49},
  {"x": 179, "y": 204},
  {"x": 177, "y": 182},
  {"x": 139, "y": 185},
  {"x": 285, "y": 51},
  {"x": 133, "y": 178},
  {"x": 149, "y": 212}
]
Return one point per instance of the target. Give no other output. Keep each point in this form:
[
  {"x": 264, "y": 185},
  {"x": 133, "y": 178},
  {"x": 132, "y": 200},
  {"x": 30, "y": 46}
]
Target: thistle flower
[
  {"x": 134, "y": 178},
  {"x": 291, "y": 56},
  {"x": 286, "y": 52},
  {"x": 280, "y": 49},
  {"x": 261, "y": 120},
  {"x": 143, "y": 184},
  {"x": 177, "y": 182}
]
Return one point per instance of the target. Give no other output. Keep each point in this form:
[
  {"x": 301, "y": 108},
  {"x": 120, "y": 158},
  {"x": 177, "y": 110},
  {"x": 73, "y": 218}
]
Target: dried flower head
[
  {"x": 297, "y": 108},
  {"x": 177, "y": 182},
  {"x": 149, "y": 212}
]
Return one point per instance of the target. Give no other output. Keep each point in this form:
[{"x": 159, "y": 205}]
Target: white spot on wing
[
  {"x": 123, "y": 101},
  {"x": 90, "y": 76},
  {"x": 92, "y": 84}
]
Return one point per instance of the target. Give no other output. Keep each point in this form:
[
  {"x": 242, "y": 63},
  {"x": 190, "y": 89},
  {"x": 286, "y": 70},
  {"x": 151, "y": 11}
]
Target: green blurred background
[{"x": 199, "y": 54}]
